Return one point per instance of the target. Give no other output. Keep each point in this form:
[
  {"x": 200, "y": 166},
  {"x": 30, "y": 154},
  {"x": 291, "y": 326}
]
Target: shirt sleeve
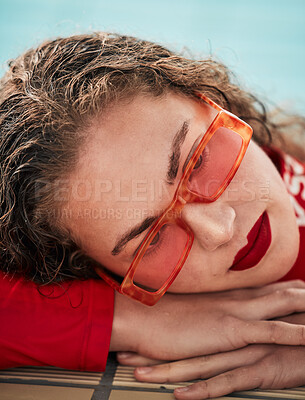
[
  {"x": 292, "y": 172},
  {"x": 67, "y": 325}
]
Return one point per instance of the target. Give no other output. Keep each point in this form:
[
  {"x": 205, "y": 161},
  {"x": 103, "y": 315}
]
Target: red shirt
[
  {"x": 293, "y": 173},
  {"x": 67, "y": 326},
  {"x": 70, "y": 326}
]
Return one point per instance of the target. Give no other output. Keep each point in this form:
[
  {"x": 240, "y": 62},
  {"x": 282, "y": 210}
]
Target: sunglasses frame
[{"x": 172, "y": 214}]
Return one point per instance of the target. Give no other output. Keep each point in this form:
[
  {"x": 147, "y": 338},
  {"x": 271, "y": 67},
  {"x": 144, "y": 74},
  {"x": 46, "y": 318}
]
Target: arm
[
  {"x": 70, "y": 326},
  {"x": 264, "y": 366},
  {"x": 183, "y": 326},
  {"x": 67, "y": 326},
  {"x": 255, "y": 366}
]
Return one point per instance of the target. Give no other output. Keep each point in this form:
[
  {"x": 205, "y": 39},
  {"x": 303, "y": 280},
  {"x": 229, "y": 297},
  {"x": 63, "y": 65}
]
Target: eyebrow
[
  {"x": 132, "y": 233},
  {"x": 174, "y": 159},
  {"x": 172, "y": 171}
]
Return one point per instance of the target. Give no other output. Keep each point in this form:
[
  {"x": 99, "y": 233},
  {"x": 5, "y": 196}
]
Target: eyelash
[
  {"x": 205, "y": 157},
  {"x": 152, "y": 249}
]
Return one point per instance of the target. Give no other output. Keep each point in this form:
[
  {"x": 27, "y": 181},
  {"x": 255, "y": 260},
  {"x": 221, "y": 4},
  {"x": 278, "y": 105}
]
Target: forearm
[
  {"x": 127, "y": 324},
  {"x": 136, "y": 325},
  {"x": 175, "y": 327}
]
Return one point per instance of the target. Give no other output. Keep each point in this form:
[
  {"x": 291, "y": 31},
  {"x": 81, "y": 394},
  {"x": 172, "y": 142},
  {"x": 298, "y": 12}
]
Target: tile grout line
[{"x": 103, "y": 390}]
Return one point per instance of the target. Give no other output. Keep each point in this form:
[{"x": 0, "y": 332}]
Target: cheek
[
  {"x": 153, "y": 278},
  {"x": 155, "y": 274},
  {"x": 199, "y": 272},
  {"x": 252, "y": 180},
  {"x": 162, "y": 260}
]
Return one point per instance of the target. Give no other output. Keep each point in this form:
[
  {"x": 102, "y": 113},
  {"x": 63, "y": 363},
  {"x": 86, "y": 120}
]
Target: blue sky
[{"x": 263, "y": 41}]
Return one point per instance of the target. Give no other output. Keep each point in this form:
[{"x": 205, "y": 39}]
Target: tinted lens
[
  {"x": 215, "y": 162},
  {"x": 164, "y": 253}
]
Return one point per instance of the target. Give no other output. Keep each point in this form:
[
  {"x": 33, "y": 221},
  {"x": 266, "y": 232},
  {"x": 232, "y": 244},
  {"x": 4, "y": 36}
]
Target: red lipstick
[{"x": 259, "y": 240}]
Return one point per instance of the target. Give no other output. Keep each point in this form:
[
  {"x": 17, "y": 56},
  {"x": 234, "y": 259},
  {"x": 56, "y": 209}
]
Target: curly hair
[{"x": 46, "y": 99}]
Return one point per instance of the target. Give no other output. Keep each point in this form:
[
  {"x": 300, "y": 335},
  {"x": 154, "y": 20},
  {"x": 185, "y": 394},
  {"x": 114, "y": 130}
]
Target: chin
[
  {"x": 285, "y": 265},
  {"x": 285, "y": 254}
]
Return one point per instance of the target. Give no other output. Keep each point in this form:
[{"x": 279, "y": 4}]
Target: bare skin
[
  {"x": 264, "y": 366},
  {"x": 227, "y": 321},
  {"x": 126, "y": 154},
  {"x": 255, "y": 366}
]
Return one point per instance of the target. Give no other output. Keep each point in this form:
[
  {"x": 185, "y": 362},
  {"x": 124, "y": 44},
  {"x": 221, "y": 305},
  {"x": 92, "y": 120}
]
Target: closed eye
[{"x": 194, "y": 147}]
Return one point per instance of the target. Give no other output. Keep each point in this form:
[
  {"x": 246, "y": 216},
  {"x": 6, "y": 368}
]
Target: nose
[{"x": 212, "y": 224}]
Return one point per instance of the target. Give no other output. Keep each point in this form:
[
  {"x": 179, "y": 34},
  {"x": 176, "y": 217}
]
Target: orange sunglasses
[{"x": 227, "y": 128}]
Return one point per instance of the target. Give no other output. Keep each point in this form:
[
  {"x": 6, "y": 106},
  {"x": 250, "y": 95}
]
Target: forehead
[
  {"x": 121, "y": 173},
  {"x": 132, "y": 140},
  {"x": 141, "y": 124}
]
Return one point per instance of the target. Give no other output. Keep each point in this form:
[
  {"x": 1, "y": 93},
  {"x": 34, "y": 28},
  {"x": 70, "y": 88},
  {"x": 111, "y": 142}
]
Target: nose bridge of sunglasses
[
  {"x": 181, "y": 201},
  {"x": 187, "y": 196},
  {"x": 174, "y": 211}
]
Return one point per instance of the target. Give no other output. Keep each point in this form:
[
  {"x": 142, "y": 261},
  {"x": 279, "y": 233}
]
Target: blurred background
[{"x": 262, "y": 41}]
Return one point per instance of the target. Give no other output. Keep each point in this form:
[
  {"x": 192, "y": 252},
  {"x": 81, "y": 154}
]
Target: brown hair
[{"x": 47, "y": 97}]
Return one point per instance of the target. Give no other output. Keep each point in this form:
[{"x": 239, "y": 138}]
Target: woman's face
[{"x": 122, "y": 178}]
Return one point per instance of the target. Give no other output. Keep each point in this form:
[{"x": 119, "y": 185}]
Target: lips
[{"x": 259, "y": 240}]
